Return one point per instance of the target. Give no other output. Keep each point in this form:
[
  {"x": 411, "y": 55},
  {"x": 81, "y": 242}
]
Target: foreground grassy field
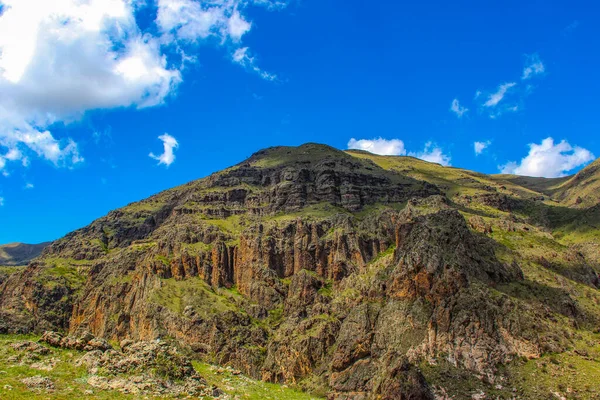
[{"x": 70, "y": 380}]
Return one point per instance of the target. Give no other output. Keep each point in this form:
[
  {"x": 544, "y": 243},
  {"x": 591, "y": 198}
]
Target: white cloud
[
  {"x": 168, "y": 156},
  {"x": 457, "y": 109},
  {"x": 65, "y": 153},
  {"x": 29, "y": 186},
  {"x": 432, "y": 153},
  {"x": 242, "y": 56},
  {"x": 533, "y": 67},
  {"x": 1, "y": 201},
  {"x": 549, "y": 160},
  {"x": 272, "y": 4},
  {"x": 13, "y": 155},
  {"x": 479, "y": 147},
  {"x": 395, "y": 147},
  {"x": 191, "y": 20},
  {"x": 63, "y": 58},
  {"x": 497, "y": 97},
  {"x": 238, "y": 26},
  {"x": 384, "y": 147}
]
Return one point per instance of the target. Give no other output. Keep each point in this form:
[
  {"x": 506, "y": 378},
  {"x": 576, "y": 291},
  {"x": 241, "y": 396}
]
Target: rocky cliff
[{"x": 348, "y": 274}]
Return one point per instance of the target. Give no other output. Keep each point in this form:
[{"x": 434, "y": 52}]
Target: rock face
[{"x": 300, "y": 265}]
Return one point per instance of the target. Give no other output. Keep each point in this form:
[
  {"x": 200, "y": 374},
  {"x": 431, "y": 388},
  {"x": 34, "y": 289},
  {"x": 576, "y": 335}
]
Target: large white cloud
[
  {"x": 62, "y": 58},
  {"x": 549, "y": 160}
]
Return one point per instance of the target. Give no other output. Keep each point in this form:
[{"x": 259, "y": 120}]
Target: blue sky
[{"x": 219, "y": 80}]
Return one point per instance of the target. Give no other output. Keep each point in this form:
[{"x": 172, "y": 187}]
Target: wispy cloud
[
  {"x": 509, "y": 96},
  {"x": 549, "y": 160},
  {"x": 497, "y": 97},
  {"x": 456, "y": 108},
  {"x": 533, "y": 67},
  {"x": 432, "y": 153},
  {"x": 168, "y": 156},
  {"x": 242, "y": 56},
  {"x": 1, "y": 201},
  {"x": 479, "y": 147},
  {"x": 571, "y": 28},
  {"x": 29, "y": 186}
]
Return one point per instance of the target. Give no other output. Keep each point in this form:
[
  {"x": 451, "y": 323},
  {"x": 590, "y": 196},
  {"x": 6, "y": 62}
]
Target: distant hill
[{"x": 20, "y": 253}]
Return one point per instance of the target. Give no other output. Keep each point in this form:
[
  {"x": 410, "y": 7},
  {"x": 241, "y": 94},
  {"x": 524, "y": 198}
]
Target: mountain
[
  {"x": 347, "y": 274},
  {"x": 20, "y": 253}
]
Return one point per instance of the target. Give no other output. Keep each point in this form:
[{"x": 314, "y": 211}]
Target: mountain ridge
[{"x": 347, "y": 273}]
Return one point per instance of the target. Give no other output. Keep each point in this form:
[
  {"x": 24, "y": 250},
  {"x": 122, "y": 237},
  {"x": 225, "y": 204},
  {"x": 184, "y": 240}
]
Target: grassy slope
[
  {"x": 451, "y": 180},
  {"x": 582, "y": 189},
  {"x": 70, "y": 381}
]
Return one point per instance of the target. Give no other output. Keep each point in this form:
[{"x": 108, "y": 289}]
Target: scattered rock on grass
[{"x": 38, "y": 383}]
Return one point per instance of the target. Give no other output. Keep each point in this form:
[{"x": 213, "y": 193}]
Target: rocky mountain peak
[{"x": 350, "y": 272}]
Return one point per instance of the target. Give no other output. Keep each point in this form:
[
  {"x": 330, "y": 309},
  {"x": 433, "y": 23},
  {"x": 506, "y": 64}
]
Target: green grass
[
  {"x": 146, "y": 206},
  {"x": 314, "y": 211},
  {"x": 101, "y": 244},
  {"x": 575, "y": 376},
  {"x": 64, "y": 270},
  {"x": 232, "y": 225},
  {"x": 9, "y": 270},
  {"x": 163, "y": 259},
  {"x": 197, "y": 248},
  {"x": 277, "y": 156},
  {"x": 450, "y": 180},
  {"x": 389, "y": 251},
  {"x": 194, "y": 292},
  {"x": 327, "y": 289},
  {"x": 68, "y": 379},
  {"x": 242, "y": 387}
]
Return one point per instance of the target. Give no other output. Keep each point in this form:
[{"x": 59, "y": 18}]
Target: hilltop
[{"x": 346, "y": 274}]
